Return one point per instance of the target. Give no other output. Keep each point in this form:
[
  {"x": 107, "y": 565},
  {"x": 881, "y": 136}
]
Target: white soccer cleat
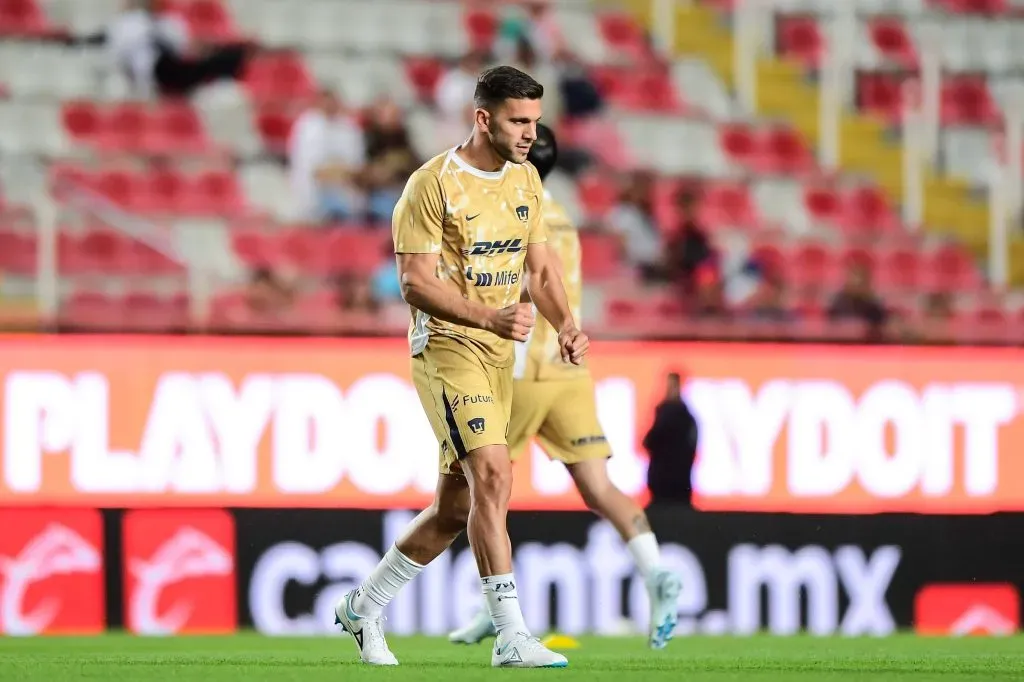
[
  {"x": 524, "y": 651},
  {"x": 476, "y": 630},
  {"x": 663, "y": 589},
  {"x": 368, "y": 633}
]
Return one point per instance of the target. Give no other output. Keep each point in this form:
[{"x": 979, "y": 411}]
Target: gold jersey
[
  {"x": 539, "y": 357},
  {"x": 480, "y": 224}
]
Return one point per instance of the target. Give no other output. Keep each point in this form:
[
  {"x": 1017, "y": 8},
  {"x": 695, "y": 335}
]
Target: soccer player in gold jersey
[
  {"x": 554, "y": 402},
  {"x": 468, "y": 223}
]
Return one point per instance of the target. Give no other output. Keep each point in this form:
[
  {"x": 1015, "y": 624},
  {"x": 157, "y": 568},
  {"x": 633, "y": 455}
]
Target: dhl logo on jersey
[{"x": 494, "y": 248}]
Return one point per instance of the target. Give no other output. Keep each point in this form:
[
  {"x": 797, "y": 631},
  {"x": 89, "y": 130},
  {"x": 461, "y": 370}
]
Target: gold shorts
[
  {"x": 563, "y": 417},
  {"x": 466, "y": 400}
]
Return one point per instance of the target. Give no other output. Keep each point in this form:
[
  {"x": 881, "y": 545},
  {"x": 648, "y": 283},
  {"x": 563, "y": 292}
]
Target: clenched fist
[
  {"x": 513, "y": 322},
  {"x": 573, "y": 344}
]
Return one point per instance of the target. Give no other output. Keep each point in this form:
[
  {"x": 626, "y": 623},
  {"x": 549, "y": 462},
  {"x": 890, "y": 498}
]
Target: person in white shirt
[
  {"x": 632, "y": 220},
  {"x": 454, "y": 98},
  {"x": 326, "y": 151}
]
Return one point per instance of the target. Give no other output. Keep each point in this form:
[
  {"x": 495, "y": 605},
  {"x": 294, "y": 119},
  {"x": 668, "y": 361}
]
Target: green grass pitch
[{"x": 252, "y": 658}]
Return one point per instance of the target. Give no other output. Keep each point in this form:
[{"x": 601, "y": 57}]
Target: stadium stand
[{"x": 165, "y": 209}]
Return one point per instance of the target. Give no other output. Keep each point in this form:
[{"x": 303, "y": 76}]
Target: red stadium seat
[
  {"x": 622, "y": 308},
  {"x": 17, "y": 253},
  {"x": 123, "y": 127},
  {"x": 166, "y": 191},
  {"x": 811, "y": 265},
  {"x": 174, "y": 128},
  {"x": 951, "y": 268},
  {"x": 739, "y": 144},
  {"x": 82, "y": 120},
  {"x": 867, "y": 210},
  {"x": 967, "y": 101},
  {"x": 274, "y": 123},
  {"x": 482, "y": 28},
  {"x": 598, "y": 194},
  {"x": 216, "y": 192},
  {"x": 102, "y": 251},
  {"x": 601, "y": 256},
  {"x": 900, "y": 270},
  {"x": 145, "y": 258},
  {"x": 880, "y": 94},
  {"x": 783, "y": 151},
  {"x": 424, "y": 74},
  {"x": 24, "y": 18},
  {"x": 974, "y": 6},
  {"x": 622, "y": 33},
  {"x": 92, "y": 310},
  {"x": 209, "y": 20},
  {"x": 823, "y": 204},
  {"x": 121, "y": 187},
  {"x": 256, "y": 249},
  {"x": 356, "y": 251},
  {"x": 728, "y": 206},
  {"x": 800, "y": 38},
  {"x": 148, "y": 312},
  {"x": 893, "y": 42},
  {"x": 278, "y": 77}
]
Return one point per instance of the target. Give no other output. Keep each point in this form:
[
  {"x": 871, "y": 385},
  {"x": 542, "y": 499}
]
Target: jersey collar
[{"x": 485, "y": 175}]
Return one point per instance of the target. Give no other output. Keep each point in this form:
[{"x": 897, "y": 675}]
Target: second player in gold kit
[{"x": 551, "y": 399}]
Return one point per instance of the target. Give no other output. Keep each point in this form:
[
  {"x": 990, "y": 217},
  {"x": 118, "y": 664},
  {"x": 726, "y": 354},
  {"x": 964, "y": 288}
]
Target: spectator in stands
[
  {"x": 857, "y": 301},
  {"x": 768, "y": 303},
  {"x": 937, "y": 318},
  {"x": 689, "y": 248},
  {"x": 355, "y": 294},
  {"x": 268, "y": 293},
  {"x": 579, "y": 94},
  {"x": 534, "y": 24},
  {"x": 454, "y": 98},
  {"x": 153, "y": 49},
  {"x": 632, "y": 219},
  {"x": 671, "y": 445},
  {"x": 391, "y": 159},
  {"x": 709, "y": 298},
  {"x": 326, "y": 153}
]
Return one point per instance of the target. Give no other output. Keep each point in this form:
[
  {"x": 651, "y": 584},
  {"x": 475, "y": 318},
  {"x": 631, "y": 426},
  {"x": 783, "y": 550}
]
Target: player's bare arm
[
  {"x": 423, "y": 290},
  {"x": 548, "y": 294}
]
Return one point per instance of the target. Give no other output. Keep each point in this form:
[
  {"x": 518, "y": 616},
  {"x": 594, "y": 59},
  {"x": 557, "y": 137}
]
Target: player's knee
[
  {"x": 491, "y": 480},
  {"x": 454, "y": 514}
]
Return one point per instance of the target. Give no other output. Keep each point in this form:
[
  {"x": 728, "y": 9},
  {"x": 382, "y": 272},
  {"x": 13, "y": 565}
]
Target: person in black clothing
[
  {"x": 671, "y": 444},
  {"x": 857, "y": 301},
  {"x": 690, "y": 248}
]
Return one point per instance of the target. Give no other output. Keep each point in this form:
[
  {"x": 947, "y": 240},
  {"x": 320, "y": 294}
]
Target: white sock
[
  {"x": 383, "y": 583},
  {"x": 644, "y": 548},
  {"x": 503, "y": 603}
]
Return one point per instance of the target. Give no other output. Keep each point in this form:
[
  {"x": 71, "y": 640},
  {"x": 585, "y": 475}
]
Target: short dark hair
[{"x": 497, "y": 84}]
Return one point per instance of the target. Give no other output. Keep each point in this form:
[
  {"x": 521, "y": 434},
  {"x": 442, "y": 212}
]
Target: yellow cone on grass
[{"x": 560, "y": 642}]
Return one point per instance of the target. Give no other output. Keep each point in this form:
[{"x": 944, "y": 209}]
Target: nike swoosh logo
[{"x": 472, "y": 217}]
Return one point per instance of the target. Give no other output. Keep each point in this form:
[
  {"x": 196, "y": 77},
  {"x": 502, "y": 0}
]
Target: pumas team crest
[{"x": 523, "y": 212}]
